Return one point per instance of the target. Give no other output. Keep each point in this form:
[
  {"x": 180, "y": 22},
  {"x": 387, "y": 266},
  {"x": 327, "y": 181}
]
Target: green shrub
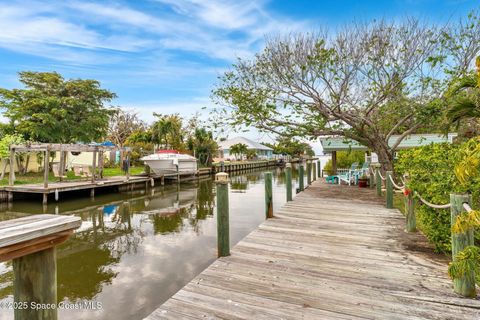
[
  {"x": 431, "y": 170},
  {"x": 345, "y": 160}
]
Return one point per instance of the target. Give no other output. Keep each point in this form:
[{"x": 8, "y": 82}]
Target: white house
[{"x": 263, "y": 152}]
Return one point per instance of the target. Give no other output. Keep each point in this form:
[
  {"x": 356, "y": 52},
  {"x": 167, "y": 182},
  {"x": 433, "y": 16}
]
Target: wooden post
[
  {"x": 371, "y": 182},
  {"x": 268, "y": 195},
  {"x": 389, "y": 187},
  {"x": 128, "y": 166},
  {"x": 11, "y": 174},
  {"x": 411, "y": 221},
  {"x": 301, "y": 185},
  {"x": 314, "y": 168},
  {"x": 378, "y": 181},
  {"x": 223, "y": 228},
  {"x": 334, "y": 162},
  {"x": 60, "y": 166},
  {"x": 35, "y": 282},
  {"x": 100, "y": 164},
  {"x": 319, "y": 169},
  {"x": 464, "y": 286},
  {"x": 45, "y": 168},
  {"x": 309, "y": 173},
  {"x": 288, "y": 180},
  {"x": 94, "y": 165}
]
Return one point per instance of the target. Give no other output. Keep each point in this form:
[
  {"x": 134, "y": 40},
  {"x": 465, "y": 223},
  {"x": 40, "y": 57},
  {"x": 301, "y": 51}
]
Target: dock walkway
[{"x": 334, "y": 252}]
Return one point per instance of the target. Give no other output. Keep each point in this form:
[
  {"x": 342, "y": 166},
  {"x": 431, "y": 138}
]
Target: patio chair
[
  {"x": 56, "y": 171},
  {"x": 362, "y": 171},
  {"x": 349, "y": 175}
]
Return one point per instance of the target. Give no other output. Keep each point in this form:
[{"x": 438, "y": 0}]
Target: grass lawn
[{"x": 37, "y": 177}]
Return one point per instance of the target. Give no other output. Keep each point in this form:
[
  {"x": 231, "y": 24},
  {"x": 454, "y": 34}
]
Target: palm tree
[
  {"x": 203, "y": 145},
  {"x": 465, "y": 95},
  {"x": 238, "y": 149}
]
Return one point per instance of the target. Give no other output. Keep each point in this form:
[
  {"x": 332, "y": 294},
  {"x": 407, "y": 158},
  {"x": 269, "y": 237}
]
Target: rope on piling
[
  {"x": 467, "y": 207},
  {"x": 381, "y": 177},
  {"x": 395, "y": 185},
  {"x": 431, "y": 205}
]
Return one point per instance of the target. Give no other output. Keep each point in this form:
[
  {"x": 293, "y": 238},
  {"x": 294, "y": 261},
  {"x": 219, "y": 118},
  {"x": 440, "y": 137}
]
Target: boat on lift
[{"x": 170, "y": 161}]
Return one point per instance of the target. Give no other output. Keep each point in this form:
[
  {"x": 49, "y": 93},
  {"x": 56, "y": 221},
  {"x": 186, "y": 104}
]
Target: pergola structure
[{"x": 96, "y": 149}]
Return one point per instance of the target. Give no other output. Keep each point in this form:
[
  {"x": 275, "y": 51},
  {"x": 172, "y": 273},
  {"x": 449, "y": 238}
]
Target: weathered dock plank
[{"x": 333, "y": 253}]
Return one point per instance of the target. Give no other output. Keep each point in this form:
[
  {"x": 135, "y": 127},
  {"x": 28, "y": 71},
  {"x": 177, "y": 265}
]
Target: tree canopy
[
  {"x": 52, "y": 109},
  {"x": 365, "y": 82},
  {"x": 291, "y": 146}
]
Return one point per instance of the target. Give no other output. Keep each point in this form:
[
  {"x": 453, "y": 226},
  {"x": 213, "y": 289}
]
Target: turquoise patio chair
[
  {"x": 360, "y": 172},
  {"x": 349, "y": 175}
]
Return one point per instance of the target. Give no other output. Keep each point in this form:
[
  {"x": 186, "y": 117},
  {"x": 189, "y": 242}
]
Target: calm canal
[{"x": 135, "y": 250}]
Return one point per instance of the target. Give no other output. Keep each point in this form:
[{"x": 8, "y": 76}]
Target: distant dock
[{"x": 121, "y": 183}]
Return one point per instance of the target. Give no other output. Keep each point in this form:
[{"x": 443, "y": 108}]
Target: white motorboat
[{"x": 170, "y": 161}]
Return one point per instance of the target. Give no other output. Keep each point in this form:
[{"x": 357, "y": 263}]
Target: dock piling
[
  {"x": 223, "y": 227},
  {"x": 288, "y": 180},
  {"x": 389, "y": 187},
  {"x": 268, "y": 195},
  {"x": 378, "y": 181},
  {"x": 309, "y": 173},
  {"x": 301, "y": 185},
  {"x": 464, "y": 286}
]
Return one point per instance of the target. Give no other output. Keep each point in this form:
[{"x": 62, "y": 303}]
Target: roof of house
[
  {"x": 330, "y": 144},
  {"x": 250, "y": 144}
]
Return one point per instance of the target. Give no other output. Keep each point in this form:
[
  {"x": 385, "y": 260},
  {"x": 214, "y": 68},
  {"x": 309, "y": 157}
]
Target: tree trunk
[{"x": 385, "y": 158}]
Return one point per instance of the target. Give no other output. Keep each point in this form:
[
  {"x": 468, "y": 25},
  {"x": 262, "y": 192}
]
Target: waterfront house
[{"x": 262, "y": 151}]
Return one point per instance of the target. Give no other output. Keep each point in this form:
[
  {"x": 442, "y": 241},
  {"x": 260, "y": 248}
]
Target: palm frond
[
  {"x": 466, "y": 264},
  {"x": 466, "y": 82},
  {"x": 461, "y": 108},
  {"x": 466, "y": 221}
]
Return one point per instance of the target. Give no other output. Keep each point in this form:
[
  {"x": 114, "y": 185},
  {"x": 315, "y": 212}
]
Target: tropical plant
[
  {"x": 167, "y": 131},
  {"x": 203, "y": 146},
  {"x": 5, "y": 144},
  {"x": 238, "y": 149},
  {"x": 251, "y": 154}
]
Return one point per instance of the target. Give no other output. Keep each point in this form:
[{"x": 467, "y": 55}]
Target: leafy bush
[
  {"x": 432, "y": 175},
  {"x": 345, "y": 160}
]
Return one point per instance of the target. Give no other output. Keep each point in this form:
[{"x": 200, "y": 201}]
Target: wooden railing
[{"x": 459, "y": 203}]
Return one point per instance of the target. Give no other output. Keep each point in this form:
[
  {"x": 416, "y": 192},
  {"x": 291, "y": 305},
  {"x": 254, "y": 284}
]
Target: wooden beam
[
  {"x": 11, "y": 174},
  {"x": 100, "y": 164},
  {"x": 61, "y": 165},
  {"x": 334, "y": 162},
  {"x": 94, "y": 167},
  {"x": 45, "y": 168},
  {"x": 19, "y": 230},
  {"x": 64, "y": 147}
]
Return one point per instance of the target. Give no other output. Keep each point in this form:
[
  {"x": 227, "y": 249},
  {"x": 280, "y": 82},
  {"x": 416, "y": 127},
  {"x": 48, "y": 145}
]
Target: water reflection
[{"x": 136, "y": 249}]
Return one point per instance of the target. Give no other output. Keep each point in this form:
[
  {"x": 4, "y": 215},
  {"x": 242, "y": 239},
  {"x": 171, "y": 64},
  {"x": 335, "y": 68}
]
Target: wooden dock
[
  {"x": 334, "y": 252},
  {"x": 123, "y": 183}
]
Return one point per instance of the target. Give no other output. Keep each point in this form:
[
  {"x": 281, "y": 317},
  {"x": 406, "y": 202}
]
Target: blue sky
[{"x": 165, "y": 55}]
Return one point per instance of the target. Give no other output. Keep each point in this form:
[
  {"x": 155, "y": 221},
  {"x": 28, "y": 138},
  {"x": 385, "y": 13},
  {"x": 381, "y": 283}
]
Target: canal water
[{"x": 135, "y": 250}]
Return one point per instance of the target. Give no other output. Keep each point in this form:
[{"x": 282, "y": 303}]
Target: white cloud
[
  {"x": 202, "y": 27},
  {"x": 187, "y": 108}
]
